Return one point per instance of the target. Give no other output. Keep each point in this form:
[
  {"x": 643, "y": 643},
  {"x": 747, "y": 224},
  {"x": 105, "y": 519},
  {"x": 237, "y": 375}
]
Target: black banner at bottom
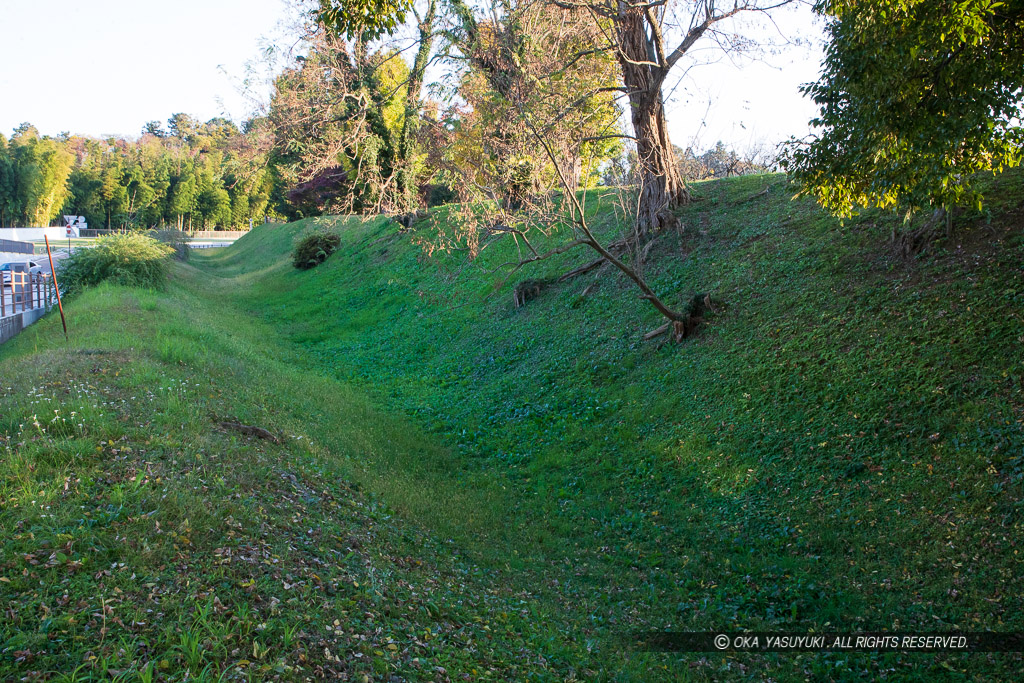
[{"x": 737, "y": 641}]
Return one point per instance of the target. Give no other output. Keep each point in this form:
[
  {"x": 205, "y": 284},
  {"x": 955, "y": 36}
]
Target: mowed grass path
[{"x": 142, "y": 540}]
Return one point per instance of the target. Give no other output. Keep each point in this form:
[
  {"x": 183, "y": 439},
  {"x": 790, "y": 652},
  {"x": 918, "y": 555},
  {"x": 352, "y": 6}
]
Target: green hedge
[{"x": 133, "y": 260}]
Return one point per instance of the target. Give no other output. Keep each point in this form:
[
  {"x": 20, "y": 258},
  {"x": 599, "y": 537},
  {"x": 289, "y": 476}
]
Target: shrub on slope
[
  {"x": 314, "y": 248},
  {"x": 132, "y": 260}
]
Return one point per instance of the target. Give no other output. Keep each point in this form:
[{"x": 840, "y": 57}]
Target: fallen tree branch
[
  {"x": 586, "y": 268},
  {"x": 581, "y": 270},
  {"x": 762, "y": 193},
  {"x": 249, "y": 430},
  {"x": 658, "y": 331}
]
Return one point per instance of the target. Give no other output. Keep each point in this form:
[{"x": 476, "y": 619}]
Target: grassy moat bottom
[{"x": 469, "y": 491}]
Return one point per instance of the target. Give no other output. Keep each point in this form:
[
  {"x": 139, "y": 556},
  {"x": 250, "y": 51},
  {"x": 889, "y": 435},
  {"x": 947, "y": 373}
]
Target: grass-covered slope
[
  {"x": 142, "y": 538},
  {"x": 840, "y": 449}
]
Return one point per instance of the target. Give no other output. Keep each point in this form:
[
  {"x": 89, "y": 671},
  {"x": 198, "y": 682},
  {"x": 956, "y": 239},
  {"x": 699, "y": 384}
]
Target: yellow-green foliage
[
  {"x": 391, "y": 74},
  {"x": 134, "y": 260}
]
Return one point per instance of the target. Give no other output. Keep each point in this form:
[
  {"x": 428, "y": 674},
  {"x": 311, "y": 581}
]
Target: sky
[
  {"x": 749, "y": 100},
  {"x": 106, "y": 67}
]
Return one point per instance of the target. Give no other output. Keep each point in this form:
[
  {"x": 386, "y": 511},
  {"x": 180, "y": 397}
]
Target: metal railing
[
  {"x": 224, "y": 234},
  {"x": 16, "y": 247},
  {"x": 21, "y": 291},
  {"x": 196, "y": 234}
]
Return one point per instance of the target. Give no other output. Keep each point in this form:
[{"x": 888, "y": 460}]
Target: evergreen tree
[{"x": 915, "y": 97}]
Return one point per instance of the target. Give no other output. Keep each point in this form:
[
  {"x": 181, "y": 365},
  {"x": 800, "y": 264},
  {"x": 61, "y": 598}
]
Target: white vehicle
[{"x": 21, "y": 267}]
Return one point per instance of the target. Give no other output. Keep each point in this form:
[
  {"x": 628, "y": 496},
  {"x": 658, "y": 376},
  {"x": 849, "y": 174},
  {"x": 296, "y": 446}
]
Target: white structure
[
  {"x": 73, "y": 225},
  {"x": 32, "y": 234}
]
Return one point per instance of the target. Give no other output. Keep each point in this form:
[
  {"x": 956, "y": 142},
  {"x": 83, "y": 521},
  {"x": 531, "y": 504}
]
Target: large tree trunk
[
  {"x": 407, "y": 181},
  {"x": 571, "y": 166},
  {"x": 660, "y": 184}
]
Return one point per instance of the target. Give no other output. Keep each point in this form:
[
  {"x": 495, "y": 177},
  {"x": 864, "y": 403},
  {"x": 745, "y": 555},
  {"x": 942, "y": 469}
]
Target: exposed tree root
[
  {"x": 528, "y": 289},
  {"x": 407, "y": 220},
  {"x": 910, "y": 243},
  {"x": 248, "y": 430},
  {"x": 692, "y": 317},
  {"x": 658, "y": 331}
]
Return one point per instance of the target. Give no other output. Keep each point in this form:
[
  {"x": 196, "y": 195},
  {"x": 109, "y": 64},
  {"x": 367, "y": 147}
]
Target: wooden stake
[{"x": 56, "y": 287}]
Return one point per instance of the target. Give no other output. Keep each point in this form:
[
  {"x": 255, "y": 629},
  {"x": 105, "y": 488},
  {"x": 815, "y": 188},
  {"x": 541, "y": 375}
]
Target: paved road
[{"x": 41, "y": 259}]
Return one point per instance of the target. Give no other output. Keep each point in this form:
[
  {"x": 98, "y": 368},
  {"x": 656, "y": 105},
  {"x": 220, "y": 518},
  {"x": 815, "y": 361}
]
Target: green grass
[
  {"x": 142, "y": 540},
  {"x": 62, "y": 243},
  {"x": 840, "y": 449}
]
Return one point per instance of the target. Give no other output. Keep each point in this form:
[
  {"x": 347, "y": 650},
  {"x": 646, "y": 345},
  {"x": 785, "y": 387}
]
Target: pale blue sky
[
  {"x": 752, "y": 101},
  {"x": 98, "y": 67},
  {"x": 108, "y": 66}
]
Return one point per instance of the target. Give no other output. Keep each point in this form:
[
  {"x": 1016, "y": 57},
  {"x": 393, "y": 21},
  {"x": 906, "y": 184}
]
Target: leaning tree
[{"x": 651, "y": 39}]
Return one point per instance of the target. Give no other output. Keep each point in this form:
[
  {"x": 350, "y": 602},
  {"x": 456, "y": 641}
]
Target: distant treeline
[
  {"x": 213, "y": 176},
  {"x": 192, "y": 175}
]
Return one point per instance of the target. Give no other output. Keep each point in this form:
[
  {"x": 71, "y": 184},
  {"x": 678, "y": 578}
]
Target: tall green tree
[
  {"x": 112, "y": 191},
  {"x": 8, "y": 184},
  {"x": 85, "y": 182},
  {"x": 529, "y": 66},
  {"x": 121, "y": 183},
  {"x": 337, "y": 118},
  {"x": 41, "y": 170},
  {"x": 915, "y": 97},
  {"x": 366, "y": 20},
  {"x": 184, "y": 197}
]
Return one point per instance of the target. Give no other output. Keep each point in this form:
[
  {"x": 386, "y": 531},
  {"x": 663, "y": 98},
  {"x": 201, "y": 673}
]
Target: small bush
[
  {"x": 134, "y": 260},
  {"x": 176, "y": 239},
  {"x": 314, "y": 248}
]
